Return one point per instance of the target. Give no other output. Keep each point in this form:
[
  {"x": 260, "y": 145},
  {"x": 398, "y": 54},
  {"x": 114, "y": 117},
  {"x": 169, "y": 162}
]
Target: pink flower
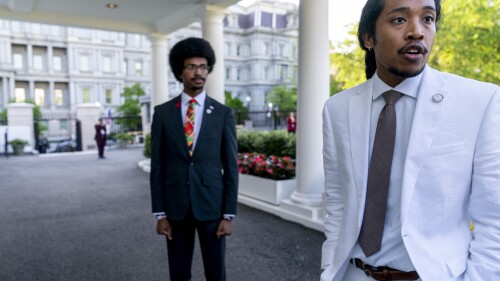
[{"x": 178, "y": 104}]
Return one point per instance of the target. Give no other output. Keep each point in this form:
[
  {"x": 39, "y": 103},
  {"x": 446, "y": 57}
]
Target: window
[
  {"x": 59, "y": 97},
  {"x": 86, "y": 95},
  {"x": 84, "y": 63},
  {"x": 125, "y": 66},
  {"x": 284, "y": 72},
  {"x": 108, "y": 96},
  {"x": 63, "y": 125},
  {"x": 228, "y": 73},
  {"x": 57, "y": 63},
  {"x": 267, "y": 48},
  {"x": 39, "y": 97},
  {"x": 106, "y": 64},
  {"x": 20, "y": 94},
  {"x": 55, "y": 30},
  {"x": 18, "y": 61},
  {"x": 37, "y": 62},
  {"x": 138, "y": 68},
  {"x": 35, "y": 28}
]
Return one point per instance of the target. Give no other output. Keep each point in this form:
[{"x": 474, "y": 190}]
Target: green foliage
[
  {"x": 468, "y": 40},
  {"x": 241, "y": 111},
  {"x": 130, "y": 107},
  {"x": 147, "y": 146},
  {"x": 284, "y": 97},
  {"x": 277, "y": 143},
  {"x": 348, "y": 63},
  {"x": 3, "y": 115},
  {"x": 18, "y": 142},
  {"x": 124, "y": 136}
]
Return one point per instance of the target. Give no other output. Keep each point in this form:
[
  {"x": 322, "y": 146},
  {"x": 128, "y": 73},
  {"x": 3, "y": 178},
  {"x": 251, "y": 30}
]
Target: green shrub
[
  {"x": 277, "y": 143},
  {"x": 124, "y": 136},
  {"x": 16, "y": 142},
  {"x": 147, "y": 146}
]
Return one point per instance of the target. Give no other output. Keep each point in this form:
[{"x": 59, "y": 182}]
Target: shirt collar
[
  {"x": 200, "y": 98},
  {"x": 409, "y": 86}
]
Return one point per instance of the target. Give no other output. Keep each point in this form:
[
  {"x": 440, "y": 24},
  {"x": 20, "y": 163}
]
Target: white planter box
[{"x": 267, "y": 190}]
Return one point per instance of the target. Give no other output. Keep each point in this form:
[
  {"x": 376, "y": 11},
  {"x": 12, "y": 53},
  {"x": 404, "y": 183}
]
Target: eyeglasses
[{"x": 194, "y": 67}]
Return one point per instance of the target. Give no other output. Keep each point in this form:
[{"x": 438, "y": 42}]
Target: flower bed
[{"x": 270, "y": 167}]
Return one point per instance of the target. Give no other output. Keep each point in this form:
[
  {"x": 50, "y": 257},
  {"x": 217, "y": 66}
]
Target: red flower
[
  {"x": 178, "y": 104},
  {"x": 271, "y": 167}
]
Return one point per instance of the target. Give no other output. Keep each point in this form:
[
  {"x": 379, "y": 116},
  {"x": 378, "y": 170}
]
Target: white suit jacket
[{"x": 451, "y": 175}]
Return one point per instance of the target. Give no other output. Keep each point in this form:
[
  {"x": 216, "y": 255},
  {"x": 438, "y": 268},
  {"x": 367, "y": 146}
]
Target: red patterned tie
[{"x": 189, "y": 125}]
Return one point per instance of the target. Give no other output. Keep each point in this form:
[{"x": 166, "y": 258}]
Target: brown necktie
[{"x": 379, "y": 174}]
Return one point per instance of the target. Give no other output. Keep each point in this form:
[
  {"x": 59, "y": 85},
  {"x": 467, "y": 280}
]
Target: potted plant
[
  {"x": 123, "y": 139},
  {"x": 18, "y": 146},
  {"x": 266, "y": 178}
]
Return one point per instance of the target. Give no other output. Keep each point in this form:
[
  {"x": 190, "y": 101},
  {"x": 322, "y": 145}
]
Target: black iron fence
[
  {"x": 264, "y": 120},
  {"x": 131, "y": 125},
  {"x": 57, "y": 133}
]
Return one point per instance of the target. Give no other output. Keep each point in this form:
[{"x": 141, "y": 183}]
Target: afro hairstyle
[{"x": 190, "y": 48}]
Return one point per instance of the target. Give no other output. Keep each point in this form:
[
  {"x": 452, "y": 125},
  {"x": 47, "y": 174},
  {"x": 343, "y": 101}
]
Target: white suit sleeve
[
  {"x": 334, "y": 202},
  {"x": 484, "y": 206}
]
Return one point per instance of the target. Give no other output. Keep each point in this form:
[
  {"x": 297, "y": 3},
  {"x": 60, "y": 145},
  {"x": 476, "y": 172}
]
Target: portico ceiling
[{"x": 142, "y": 16}]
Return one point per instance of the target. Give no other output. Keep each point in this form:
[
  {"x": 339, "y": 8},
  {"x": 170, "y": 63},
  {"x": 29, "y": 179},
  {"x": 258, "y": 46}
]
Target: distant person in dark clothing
[
  {"x": 44, "y": 144},
  {"x": 291, "y": 123},
  {"x": 100, "y": 137}
]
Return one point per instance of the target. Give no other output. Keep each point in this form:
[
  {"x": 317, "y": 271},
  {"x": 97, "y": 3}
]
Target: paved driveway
[{"x": 75, "y": 217}]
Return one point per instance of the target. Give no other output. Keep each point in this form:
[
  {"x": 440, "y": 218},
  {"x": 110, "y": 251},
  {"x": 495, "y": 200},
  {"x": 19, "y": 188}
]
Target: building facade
[{"x": 60, "y": 67}]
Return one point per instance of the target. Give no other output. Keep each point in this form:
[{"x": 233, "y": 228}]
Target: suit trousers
[
  {"x": 355, "y": 274},
  {"x": 180, "y": 249}
]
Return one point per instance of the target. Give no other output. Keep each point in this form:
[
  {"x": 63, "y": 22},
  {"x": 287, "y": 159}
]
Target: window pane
[
  {"x": 18, "y": 61},
  {"x": 138, "y": 68},
  {"x": 39, "y": 97},
  {"x": 108, "y": 96},
  {"x": 57, "y": 63},
  {"x": 84, "y": 63},
  {"x": 37, "y": 62},
  {"x": 20, "y": 95},
  {"x": 59, "y": 97},
  {"x": 86, "y": 95},
  {"x": 106, "y": 64}
]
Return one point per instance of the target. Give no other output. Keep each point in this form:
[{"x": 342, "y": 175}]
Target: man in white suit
[{"x": 445, "y": 169}]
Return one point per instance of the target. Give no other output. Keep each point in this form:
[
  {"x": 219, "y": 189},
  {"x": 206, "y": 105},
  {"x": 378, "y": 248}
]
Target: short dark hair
[
  {"x": 369, "y": 17},
  {"x": 189, "y": 48}
]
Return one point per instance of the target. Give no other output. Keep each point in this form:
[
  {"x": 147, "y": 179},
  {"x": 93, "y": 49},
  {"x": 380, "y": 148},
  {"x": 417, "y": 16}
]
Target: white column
[
  {"x": 159, "y": 63},
  {"x": 88, "y": 114},
  {"x": 20, "y": 116},
  {"x": 50, "y": 95},
  {"x": 313, "y": 90},
  {"x": 213, "y": 32}
]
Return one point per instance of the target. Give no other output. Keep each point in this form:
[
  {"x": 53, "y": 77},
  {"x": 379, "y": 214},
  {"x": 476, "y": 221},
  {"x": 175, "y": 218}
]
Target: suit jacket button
[{"x": 192, "y": 164}]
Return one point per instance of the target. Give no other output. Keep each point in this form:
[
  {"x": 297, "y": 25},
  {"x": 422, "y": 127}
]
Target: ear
[{"x": 368, "y": 41}]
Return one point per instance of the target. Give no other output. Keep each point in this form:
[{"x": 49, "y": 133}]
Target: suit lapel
[
  {"x": 359, "y": 128},
  {"x": 176, "y": 116},
  {"x": 425, "y": 121},
  {"x": 208, "y": 117}
]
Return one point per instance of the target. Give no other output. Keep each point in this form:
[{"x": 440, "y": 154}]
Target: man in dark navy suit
[{"x": 194, "y": 170}]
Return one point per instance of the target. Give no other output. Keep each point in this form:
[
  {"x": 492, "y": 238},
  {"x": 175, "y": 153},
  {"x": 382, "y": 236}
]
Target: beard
[{"x": 405, "y": 74}]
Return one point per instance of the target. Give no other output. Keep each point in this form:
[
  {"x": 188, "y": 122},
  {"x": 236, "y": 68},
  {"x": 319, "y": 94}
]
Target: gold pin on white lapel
[{"x": 437, "y": 98}]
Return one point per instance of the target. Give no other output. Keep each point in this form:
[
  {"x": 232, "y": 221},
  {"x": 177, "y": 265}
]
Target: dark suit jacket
[
  {"x": 209, "y": 179},
  {"x": 99, "y": 137}
]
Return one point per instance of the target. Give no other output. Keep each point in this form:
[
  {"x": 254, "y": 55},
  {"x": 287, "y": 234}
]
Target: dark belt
[{"x": 384, "y": 272}]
